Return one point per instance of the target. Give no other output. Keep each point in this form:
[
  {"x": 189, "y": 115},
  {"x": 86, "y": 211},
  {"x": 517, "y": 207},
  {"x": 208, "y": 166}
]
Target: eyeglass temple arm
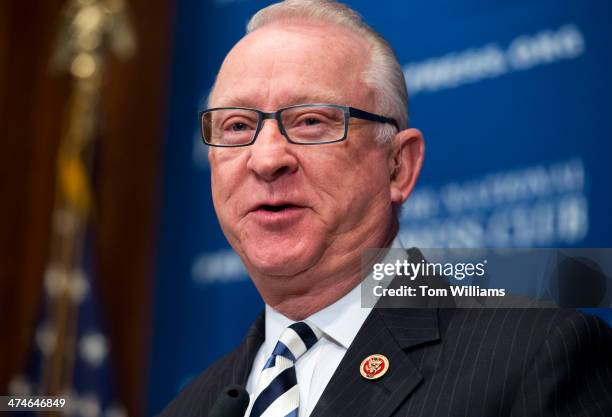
[{"x": 365, "y": 115}]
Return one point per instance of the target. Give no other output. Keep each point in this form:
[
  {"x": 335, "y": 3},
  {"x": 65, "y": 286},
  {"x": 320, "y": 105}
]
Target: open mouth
[
  {"x": 277, "y": 208},
  {"x": 277, "y": 214}
]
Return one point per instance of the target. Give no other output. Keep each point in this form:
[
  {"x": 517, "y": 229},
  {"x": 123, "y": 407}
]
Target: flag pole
[{"x": 89, "y": 30}]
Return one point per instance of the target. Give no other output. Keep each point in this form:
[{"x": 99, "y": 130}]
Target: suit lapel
[
  {"x": 388, "y": 332},
  {"x": 240, "y": 361},
  {"x": 248, "y": 350},
  {"x": 232, "y": 369},
  {"x": 392, "y": 332}
]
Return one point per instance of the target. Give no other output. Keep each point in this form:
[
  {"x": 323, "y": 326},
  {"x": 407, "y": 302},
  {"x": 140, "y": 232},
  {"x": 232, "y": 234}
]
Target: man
[{"x": 311, "y": 159}]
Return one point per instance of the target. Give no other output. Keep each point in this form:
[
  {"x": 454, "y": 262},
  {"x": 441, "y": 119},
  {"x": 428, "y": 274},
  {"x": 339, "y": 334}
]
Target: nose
[{"x": 271, "y": 155}]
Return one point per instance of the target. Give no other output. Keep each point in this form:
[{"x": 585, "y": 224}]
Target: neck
[{"x": 299, "y": 307}]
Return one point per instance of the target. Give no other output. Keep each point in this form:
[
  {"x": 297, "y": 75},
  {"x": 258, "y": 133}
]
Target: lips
[
  {"x": 277, "y": 213},
  {"x": 275, "y": 208}
]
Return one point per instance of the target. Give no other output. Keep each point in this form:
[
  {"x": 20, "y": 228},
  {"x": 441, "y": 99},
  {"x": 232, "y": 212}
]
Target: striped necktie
[{"x": 277, "y": 392}]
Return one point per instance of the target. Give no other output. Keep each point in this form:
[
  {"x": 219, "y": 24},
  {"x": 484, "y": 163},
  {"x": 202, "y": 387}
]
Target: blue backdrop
[{"x": 512, "y": 97}]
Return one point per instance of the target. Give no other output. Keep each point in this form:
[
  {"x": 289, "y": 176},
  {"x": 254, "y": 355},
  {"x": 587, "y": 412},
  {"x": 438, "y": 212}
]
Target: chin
[{"x": 280, "y": 260}]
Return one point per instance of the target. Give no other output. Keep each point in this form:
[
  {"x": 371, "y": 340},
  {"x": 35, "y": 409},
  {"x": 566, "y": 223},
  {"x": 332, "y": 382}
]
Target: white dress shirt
[{"x": 340, "y": 322}]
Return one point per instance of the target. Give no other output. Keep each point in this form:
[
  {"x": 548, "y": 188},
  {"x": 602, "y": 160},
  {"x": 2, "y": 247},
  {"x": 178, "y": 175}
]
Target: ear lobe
[{"x": 406, "y": 160}]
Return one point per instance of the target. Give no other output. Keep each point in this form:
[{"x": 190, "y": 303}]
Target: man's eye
[
  {"x": 238, "y": 126},
  {"x": 311, "y": 121}
]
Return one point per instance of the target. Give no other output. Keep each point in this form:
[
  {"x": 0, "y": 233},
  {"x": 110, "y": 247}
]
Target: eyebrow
[{"x": 317, "y": 97}]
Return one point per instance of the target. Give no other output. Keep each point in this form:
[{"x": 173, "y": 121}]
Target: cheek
[
  {"x": 227, "y": 171},
  {"x": 351, "y": 185},
  {"x": 225, "y": 201},
  {"x": 226, "y": 181},
  {"x": 217, "y": 187}
]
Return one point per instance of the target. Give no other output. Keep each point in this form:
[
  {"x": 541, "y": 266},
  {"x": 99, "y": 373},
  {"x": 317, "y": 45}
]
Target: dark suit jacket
[{"x": 449, "y": 362}]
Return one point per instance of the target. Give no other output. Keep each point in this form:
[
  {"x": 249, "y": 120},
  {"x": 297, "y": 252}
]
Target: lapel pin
[{"x": 374, "y": 366}]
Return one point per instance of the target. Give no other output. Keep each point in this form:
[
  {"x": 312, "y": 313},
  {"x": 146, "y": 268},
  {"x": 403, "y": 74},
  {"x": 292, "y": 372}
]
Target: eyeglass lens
[{"x": 302, "y": 124}]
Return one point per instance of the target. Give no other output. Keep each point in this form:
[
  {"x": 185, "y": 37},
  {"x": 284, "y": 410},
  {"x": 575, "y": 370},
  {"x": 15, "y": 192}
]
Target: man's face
[{"x": 288, "y": 209}]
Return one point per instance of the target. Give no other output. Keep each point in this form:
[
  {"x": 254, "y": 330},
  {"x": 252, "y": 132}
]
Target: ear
[{"x": 405, "y": 162}]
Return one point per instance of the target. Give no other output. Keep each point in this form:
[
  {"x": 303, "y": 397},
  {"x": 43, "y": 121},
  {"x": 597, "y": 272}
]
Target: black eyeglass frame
[{"x": 276, "y": 115}]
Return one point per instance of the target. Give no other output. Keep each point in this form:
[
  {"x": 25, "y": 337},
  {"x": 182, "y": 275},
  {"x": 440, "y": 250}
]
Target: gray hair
[{"x": 384, "y": 73}]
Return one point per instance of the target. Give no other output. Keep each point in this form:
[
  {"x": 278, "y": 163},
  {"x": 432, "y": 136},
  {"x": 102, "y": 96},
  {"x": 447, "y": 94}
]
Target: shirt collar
[{"x": 340, "y": 322}]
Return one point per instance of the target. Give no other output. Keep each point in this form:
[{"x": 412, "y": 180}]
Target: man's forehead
[
  {"x": 305, "y": 28},
  {"x": 301, "y": 61}
]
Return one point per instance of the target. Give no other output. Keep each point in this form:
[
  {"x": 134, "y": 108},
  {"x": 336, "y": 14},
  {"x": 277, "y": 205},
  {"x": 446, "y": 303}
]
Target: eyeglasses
[{"x": 303, "y": 124}]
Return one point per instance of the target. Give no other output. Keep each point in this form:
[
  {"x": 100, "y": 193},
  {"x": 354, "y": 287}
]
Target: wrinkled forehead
[{"x": 288, "y": 63}]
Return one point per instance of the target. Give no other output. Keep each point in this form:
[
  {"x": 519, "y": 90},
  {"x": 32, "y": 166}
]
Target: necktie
[{"x": 277, "y": 392}]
